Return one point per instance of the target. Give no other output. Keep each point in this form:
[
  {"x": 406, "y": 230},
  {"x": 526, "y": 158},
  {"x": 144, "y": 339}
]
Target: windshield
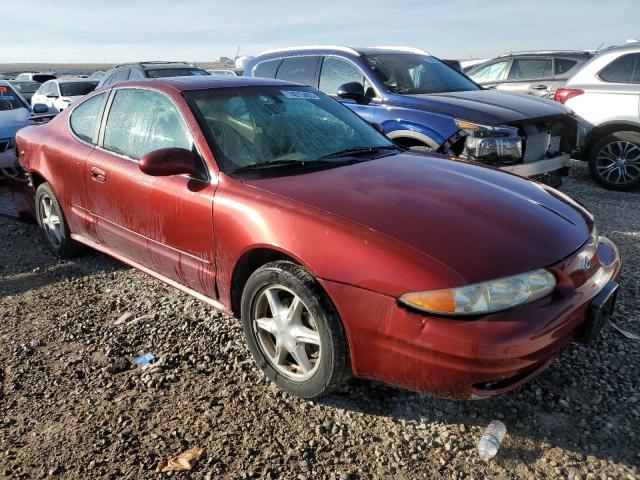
[
  {"x": 77, "y": 89},
  {"x": 408, "y": 73},
  {"x": 248, "y": 126},
  {"x": 10, "y": 100},
  {"x": 176, "y": 72}
]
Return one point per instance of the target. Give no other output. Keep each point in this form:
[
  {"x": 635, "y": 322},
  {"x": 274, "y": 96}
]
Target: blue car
[{"x": 423, "y": 103}]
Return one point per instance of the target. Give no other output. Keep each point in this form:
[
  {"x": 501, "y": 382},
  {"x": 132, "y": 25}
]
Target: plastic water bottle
[{"x": 491, "y": 440}]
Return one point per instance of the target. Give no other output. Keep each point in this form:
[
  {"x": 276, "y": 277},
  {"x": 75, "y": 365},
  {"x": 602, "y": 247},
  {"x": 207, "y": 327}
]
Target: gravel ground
[{"x": 72, "y": 406}]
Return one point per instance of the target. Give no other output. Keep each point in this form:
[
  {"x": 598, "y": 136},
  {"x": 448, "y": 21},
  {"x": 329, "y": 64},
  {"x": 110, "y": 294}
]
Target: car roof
[
  {"x": 206, "y": 82},
  {"x": 554, "y": 53},
  {"x": 631, "y": 46},
  {"x": 323, "y": 49},
  {"x": 72, "y": 80},
  {"x": 156, "y": 65}
]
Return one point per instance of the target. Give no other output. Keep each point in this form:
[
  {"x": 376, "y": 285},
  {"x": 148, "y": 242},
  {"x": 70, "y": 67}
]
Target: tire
[
  {"x": 53, "y": 224},
  {"x": 614, "y": 161},
  {"x": 315, "y": 331}
]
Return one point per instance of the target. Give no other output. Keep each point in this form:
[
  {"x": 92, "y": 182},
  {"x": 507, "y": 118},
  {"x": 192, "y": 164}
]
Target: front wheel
[
  {"x": 614, "y": 161},
  {"x": 293, "y": 330}
]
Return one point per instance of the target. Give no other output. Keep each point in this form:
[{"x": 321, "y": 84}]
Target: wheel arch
[
  {"x": 608, "y": 128},
  {"x": 411, "y": 136}
]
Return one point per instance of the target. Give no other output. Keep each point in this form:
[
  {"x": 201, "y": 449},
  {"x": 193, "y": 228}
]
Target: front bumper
[
  {"x": 462, "y": 358},
  {"x": 540, "y": 167}
]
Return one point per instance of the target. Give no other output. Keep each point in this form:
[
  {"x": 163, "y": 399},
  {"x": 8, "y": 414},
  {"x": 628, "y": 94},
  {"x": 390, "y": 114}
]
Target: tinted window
[
  {"x": 408, "y": 73},
  {"x": 9, "y": 100},
  {"x": 77, "y": 89},
  {"x": 266, "y": 69},
  {"x": 622, "y": 69},
  {"x": 336, "y": 72},
  {"x": 176, "y": 72},
  {"x": 563, "y": 65},
  {"x": 529, "y": 68},
  {"x": 41, "y": 78},
  {"x": 26, "y": 87},
  {"x": 141, "y": 121},
  {"x": 85, "y": 118},
  {"x": 299, "y": 69},
  {"x": 263, "y": 124},
  {"x": 489, "y": 73}
]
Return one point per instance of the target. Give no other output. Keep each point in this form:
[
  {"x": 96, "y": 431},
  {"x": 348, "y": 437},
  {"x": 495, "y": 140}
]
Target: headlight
[
  {"x": 486, "y": 297},
  {"x": 486, "y": 142}
]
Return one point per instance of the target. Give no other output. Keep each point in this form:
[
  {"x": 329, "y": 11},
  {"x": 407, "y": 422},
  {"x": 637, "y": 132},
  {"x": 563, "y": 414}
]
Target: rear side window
[
  {"x": 336, "y": 72},
  {"x": 136, "y": 74},
  {"x": 563, "y": 65},
  {"x": 299, "y": 69},
  {"x": 121, "y": 76},
  {"x": 529, "y": 68},
  {"x": 266, "y": 69},
  {"x": 624, "y": 69},
  {"x": 85, "y": 119},
  {"x": 141, "y": 121}
]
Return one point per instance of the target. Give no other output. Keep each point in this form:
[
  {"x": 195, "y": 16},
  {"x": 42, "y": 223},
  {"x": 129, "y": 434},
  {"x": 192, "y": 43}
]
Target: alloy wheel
[
  {"x": 286, "y": 332},
  {"x": 619, "y": 162},
  {"x": 50, "y": 220}
]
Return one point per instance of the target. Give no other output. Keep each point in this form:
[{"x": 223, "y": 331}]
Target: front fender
[{"x": 433, "y": 129}]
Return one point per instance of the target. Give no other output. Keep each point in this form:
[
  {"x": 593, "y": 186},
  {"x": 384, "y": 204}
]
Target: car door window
[
  {"x": 622, "y": 70},
  {"x": 136, "y": 74},
  {"x": 490, "y": 73},
  {"x": 336, "y": 72},
  {"x": 299, "y": 69},
  {"x": 563, "y": 65},
  {"x": 121, "y": 76},
  {"x": 267, "y": 69},
  {"x": 85, "y": 118},
  {"x": 530, "y": 68},
  {"x": 141, "y": 121}
]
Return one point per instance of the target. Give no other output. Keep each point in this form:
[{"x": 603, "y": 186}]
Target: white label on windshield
[
  {"x": 7, "y": 97},
  {"x": 300, "y": 94}
]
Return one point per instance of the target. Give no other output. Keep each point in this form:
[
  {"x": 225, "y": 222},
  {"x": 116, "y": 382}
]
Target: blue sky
[{"x": 203, "y": 30}]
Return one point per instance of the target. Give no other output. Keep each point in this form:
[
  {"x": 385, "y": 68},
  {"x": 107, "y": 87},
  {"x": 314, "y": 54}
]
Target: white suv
[
  {"x": 606, "y": 93},
  {"x": 60, "y": 93}
]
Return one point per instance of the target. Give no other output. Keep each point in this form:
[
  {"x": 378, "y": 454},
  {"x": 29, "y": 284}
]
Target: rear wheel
[
  {"x": 53, "y": 224},
  {"x": 293, "y": 330},
  {"x": 614, "y": 161}
]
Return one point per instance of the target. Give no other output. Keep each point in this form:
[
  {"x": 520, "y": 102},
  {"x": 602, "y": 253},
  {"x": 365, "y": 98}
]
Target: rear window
[
  {"x": 299, "y": 69},
  {"x": 625, "y": 69},
  {"x": 176, "y": 72},
  {"x": 86, "y": 118},
  {"x": 266, "y": 69},
  {"x": 41, "y": 77},
  {"x": 77, "y": 89},
  {"x": 563, "y": 65},
  {"x": 10, "y": 100},
  {"x": 26, "y": 87}
]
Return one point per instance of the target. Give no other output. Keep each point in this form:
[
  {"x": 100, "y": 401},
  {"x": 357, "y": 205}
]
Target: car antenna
[{"x": 601, "y": 45}]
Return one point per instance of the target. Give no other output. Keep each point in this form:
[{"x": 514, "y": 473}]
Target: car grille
[
  {"x": 547, "y": 137},
  {"x": 6, "y": 144}
]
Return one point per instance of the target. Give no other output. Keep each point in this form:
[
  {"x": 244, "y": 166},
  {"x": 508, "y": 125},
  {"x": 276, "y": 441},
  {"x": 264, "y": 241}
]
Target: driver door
[{"x": 163, "y": 224}]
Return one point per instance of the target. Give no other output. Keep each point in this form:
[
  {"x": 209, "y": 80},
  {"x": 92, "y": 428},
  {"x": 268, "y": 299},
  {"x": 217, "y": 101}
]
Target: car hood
[
  {"x": 481, "y": 222},
  {"x": 13, "y": 120},
  {"x": 487, "y": 106}
]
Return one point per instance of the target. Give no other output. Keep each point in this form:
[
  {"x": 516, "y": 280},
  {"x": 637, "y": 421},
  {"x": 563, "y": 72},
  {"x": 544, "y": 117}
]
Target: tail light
[{"x": 564, "y": 94}]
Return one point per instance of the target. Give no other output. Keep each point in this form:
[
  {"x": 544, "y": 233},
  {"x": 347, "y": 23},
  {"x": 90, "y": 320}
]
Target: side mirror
[
  {"x": 353, "y": 91},
  {"x": 168, "y": 161},
  {"x": 40, "y": 108}
]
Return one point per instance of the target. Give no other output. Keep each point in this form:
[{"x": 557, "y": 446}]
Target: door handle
[
  {"x": 541, "y": 87},
  {"x": 98, "y": 175}
]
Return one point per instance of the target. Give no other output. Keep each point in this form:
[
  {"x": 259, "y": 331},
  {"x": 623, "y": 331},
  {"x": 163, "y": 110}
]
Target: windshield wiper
[
  {"x": 349, "y": 152},
  {"x": 292, "y": 164}
]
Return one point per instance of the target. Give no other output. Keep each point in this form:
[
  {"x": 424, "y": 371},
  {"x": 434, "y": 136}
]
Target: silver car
[{"x": 605, "y": 92}]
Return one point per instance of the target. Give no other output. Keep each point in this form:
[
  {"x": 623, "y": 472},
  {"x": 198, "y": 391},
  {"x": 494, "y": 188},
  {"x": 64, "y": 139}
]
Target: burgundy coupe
[{"x": 340, "y": 251}]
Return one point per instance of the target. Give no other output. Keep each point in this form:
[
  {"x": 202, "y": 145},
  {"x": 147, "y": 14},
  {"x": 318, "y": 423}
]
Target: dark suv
[
  {"x": 419, "y": 101},
  {"x": 537, "y": 73},
  {"x": 138, "y": 71}
]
